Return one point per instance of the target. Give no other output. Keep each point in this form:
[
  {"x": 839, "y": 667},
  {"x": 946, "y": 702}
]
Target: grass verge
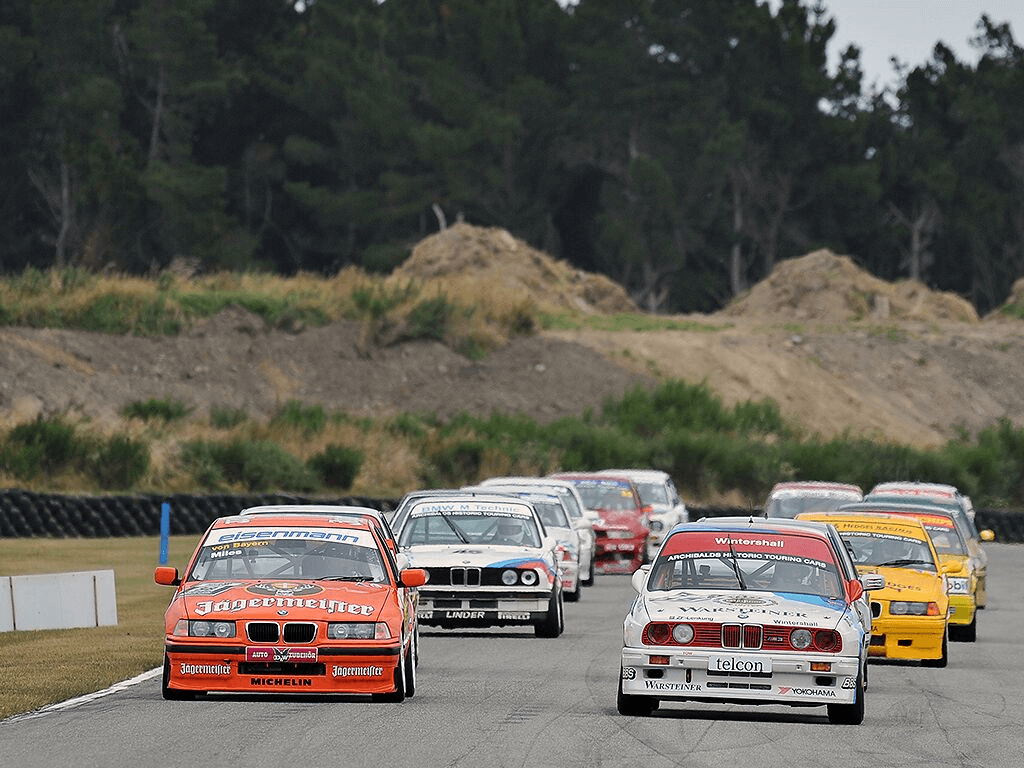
[{"x": 41, "y": 667}]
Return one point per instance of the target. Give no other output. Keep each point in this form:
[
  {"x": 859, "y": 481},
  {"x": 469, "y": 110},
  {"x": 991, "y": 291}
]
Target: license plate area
[{"x": 739, "y": 665}]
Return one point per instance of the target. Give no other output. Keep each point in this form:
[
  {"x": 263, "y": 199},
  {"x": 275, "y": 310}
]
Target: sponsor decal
[
  {"x": 205, "y": 607},
  {"x": 284, "y": 589},
  {"x": 357, "y": 671},
  {"x": 849, "y": 683},
  {"x": 281, "y": 682},
  {"x": 745, "y": 600},
  {"x": 513, "y": 616},
  {"x": 774, "y": 612},
  {"x": 277, "y": 534},
  {"x": 822, "y": 693},
  {"x": 425, "y": 615},
  {"x": 280, "y": 655},
  {"x": 661, "y": 685},
  {"x": 745, "y": 664},
  {"x": 204, "y": 669},
  {"x": 210, "y": 590},
  {"x": 463, "y": 614},
  {"x": 628, "y": 673},
  {"x": 740, "y": 542}
]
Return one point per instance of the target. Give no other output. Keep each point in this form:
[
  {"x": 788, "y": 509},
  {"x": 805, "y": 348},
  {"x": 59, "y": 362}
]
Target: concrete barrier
[{"x": 58, "y": 601}]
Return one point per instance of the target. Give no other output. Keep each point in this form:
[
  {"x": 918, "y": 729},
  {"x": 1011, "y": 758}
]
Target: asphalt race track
[{"x": 510, "y": 699}]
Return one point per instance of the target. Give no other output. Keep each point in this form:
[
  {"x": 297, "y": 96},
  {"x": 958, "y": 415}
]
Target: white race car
[
  {"x": 489, "y": 562},
  {"x": 747, "y": 612}
]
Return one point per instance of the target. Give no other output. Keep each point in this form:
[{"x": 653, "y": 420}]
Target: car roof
[
  {"x": 311, "y": 509},
  {"x": 898, "y": 507},
  {"x": 942, "y": 490},
  {"x": 639, "y": 474},
  {"x": 815, "y": 485},
  {"x": 763, "y": 523}
]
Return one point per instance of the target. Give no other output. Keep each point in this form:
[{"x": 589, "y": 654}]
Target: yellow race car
[
  {"x": 909, "y": 617},
  {"x": 965, "y": 584}
]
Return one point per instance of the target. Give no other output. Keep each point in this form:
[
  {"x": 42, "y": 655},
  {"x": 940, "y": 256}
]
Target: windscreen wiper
[
  {"x": 458, "y": 531},
  {"x": 736, "y": 567}
]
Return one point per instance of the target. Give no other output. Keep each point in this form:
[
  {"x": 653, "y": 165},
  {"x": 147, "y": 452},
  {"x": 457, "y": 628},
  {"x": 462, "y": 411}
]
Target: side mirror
[
  {"x": 640, "y": 576},
  {"x": 950, "y": 568},
  {"x": 987, "y": 535},
  {"x": 167, "y": 576},
  {"x": 413, "y": 577},
  {"x": 872, "y": 581}
]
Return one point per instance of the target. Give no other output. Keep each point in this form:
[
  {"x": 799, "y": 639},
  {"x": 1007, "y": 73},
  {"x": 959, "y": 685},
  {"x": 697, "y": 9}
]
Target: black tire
[
  {"x": 410, "y": 669},
  {"x": 589, "y": 580},
  {"x": 943, "y": 660},
  {"x": 574, "y": 596},
  {"x": 173, "y": 694},
  {"x": 553, "y": 623},
  {"x": 634, "y": 706},
  {"x": 967, "y": 633},
  {"x": 398, "y": 695},
  {"x": 849, "y": 714}
]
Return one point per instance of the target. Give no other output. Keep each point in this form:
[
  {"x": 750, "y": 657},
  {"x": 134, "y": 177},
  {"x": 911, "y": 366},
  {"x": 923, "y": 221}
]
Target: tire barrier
[{"x": 24, "y": 514}]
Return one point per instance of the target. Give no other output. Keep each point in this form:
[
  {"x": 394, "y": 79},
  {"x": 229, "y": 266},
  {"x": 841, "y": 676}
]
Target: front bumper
[
  {"x": 619, "y": 555},
  {"x": 450, "y": 609},
  {"x": 321, "y": 669},
  {"x": 907, "y": 637},
  {"x": 961, "y": 610},
  {"x": 741, "y": 677}
]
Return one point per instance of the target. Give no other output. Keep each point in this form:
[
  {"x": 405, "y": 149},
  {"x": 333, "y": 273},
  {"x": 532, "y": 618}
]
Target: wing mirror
[
  {"x": 640, "y": 576},
  {"x": 872, "y": 581},
  {"x": 166, "y": 575}
]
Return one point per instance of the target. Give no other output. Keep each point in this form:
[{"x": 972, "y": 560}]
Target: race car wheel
[
  {"x": 849, "y": 714},
  {"x": 552, "y": 624},
  {"x": 574, "y": 596},
  {"x": 943, "y": 660},
  {"x": 634, "y": 706},
  {"x": 588, "y": 580},
  {"x": 965, "y": 634},
  {"x": 398, "y": 695},
  {"x": 172, "y": 694},
  {"x": 410, "y": 669}
]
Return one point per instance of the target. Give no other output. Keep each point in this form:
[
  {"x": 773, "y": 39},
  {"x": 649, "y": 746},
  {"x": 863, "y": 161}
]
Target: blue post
[{"x": 165, "y": 530}]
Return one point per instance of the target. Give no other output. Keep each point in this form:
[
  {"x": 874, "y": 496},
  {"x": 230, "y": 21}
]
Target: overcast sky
[{"x": 909, "y": 30}]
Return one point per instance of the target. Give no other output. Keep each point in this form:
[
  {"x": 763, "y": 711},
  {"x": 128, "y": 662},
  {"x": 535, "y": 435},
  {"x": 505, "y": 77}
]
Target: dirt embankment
[{"x": 839, "y": 350}]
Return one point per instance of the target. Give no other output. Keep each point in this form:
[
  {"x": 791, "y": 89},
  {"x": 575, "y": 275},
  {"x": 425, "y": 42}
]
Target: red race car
[{"x": 292, "y": 603}]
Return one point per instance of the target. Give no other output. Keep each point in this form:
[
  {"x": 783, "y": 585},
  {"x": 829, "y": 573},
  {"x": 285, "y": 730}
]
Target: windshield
[
  {"x": 754, "y": 561},
  {"x": 791, "y": 506},
  {"x": 876, "y": 548},
  {"x": 434, "y": 526},
  {"x": 601, "y": 495},
  {"x": 653, "y": 493},
  {"x": 288, "y": 553}
]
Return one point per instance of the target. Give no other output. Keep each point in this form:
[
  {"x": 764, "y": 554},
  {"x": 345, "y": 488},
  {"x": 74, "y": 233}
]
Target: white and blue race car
[
  {"x": 489, "y": 562},
  {"x": 747, "y": 612}
]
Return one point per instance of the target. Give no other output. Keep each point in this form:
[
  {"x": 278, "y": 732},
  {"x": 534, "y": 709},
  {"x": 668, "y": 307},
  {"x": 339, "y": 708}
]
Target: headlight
[
  {"x": 529, "y": 578},
  {"x": 905, "y": 608},
  {"x": 363, "y": 630},
  {"x": 958, "y": 585},
  {"x": 800, "y": 638},
  {"x": 682, "y": 633},
  {"x": 208, "y": 629},
  {"x": 509, "y": 577},
  {"x": 656, "y": 525}
]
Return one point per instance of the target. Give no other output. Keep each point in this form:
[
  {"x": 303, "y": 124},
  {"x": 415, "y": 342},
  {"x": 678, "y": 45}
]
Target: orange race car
[{"x": 292, "y": 603}]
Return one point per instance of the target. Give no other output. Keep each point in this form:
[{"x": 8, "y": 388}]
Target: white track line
[{"x": 79, "y": 700}]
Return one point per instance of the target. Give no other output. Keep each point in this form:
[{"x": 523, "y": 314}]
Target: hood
[
  {"x": 619, "y": 519},
  {"x": 270, "y": 600},
  {"x": 784, "y": 609},
  {"x": 907, "y": 584}
]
